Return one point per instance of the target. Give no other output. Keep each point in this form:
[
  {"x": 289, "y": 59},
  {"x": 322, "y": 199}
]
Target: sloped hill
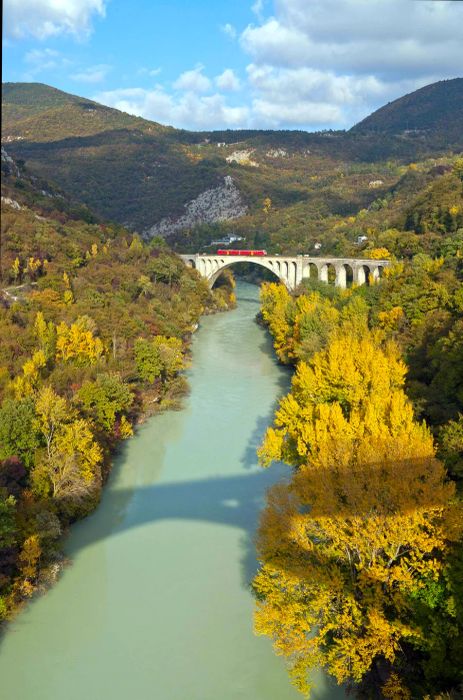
[
  {"x": 40, "y": 113},
  {"x": 126, "y": 168},
  {"x": 437, "y": 107},
  {"x": 148, "y": 176}
]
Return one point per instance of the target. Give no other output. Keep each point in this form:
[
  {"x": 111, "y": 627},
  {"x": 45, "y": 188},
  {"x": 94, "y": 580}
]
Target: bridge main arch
[{"x": 225, "y": 263}]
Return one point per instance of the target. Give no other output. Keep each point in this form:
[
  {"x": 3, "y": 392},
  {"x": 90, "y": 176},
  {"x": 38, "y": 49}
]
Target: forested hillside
[
  {"x": 361, "y": 551},
  {"x": 138, "y": 173},
  {"x": 435, "y": 108},
  {"x": 94, "y": 330}
]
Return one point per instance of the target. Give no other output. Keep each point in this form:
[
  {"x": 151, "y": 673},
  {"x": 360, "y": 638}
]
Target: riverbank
[{"x": 90, "y": 350}]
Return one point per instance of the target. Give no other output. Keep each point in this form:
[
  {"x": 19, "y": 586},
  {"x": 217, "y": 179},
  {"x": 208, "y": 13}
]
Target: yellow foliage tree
[
  {"x": 267, "y": 205},
  {"x": 390, "y": 320},
  {"x": 78, "y": 342},
  {"x": 28, "y": 562},
  {"x": 378, "y": 254},
  {"x": 33, "y": 266},
  {"x": 45, "y": 332},
  {"x": 16, "y": 269},
  {"x": 275, "y": 301},
  {"x": 363, "y": 522},
  {"x": 25, "y": 384},
  {"x": 71, "y": 467}
]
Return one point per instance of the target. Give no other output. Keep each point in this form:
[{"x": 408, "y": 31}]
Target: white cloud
[
  {"x": 333, "y": 62},
  {"x": 316, "y": 97},
  {"x": 384, "y": 37},
  {"x": 45, "y": 18},
  {"x": 187, "y": 110},
  {"x": 40, "y": 60},
  {"x": 272, "y": 115},
  {"x": 323, "y": 63},
  {"x": 258, "y": 8},
  {"x": 193, "y": 81},
  {"x": 94, "y": 74},
  {"x": 228, "y": 80},
  {"x": 229, "y": 30},
  {"x": 152, "y": 72}
]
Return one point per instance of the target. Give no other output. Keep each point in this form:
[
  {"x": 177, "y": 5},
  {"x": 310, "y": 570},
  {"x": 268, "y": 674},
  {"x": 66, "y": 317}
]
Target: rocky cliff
[{"x": 220, "y": 203}]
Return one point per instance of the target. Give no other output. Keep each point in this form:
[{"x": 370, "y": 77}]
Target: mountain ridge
[
  {"x": 140, "y": 173},
  {"x": 423, "y": 109}
]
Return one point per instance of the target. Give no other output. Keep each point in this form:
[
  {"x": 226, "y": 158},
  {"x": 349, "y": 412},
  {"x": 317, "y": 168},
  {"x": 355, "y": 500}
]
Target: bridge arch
[
  {"x": 344, "y": 275},
  {"x": 363, "y": 274},
  {"x": 327, "y": 272},
  {"x": 224, "y": 264},
  {"x": 310, "y": 271}
]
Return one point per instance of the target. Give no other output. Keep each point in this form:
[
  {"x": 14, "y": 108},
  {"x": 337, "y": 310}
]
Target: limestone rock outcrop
[{"x": 221, "y": 203}]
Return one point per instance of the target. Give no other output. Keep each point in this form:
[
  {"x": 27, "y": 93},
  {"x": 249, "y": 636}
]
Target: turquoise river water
[{"x": 156, "y": 603}]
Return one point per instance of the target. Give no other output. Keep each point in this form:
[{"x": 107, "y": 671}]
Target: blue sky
[{"x": 204, "y": 64}]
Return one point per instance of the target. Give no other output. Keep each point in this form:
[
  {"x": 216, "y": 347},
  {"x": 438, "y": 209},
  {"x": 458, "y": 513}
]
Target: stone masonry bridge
[{"x": 292, "y": 270}]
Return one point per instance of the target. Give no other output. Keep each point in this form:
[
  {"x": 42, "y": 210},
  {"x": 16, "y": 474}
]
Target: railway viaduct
[{"x": 292, "y": 270}]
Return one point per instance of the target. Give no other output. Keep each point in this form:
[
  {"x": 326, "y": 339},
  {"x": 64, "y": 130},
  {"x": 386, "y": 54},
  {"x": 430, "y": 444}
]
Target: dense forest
[
  {"x": 361, "y": 557},
  {"x": 94, "y": 333}
]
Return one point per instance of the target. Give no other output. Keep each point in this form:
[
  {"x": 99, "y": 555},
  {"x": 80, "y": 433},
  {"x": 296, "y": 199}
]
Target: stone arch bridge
[{"x": 292, "y": 270}]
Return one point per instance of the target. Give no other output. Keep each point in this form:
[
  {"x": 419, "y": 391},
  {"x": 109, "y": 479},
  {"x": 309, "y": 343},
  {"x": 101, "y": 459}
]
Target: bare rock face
[
  {"x": 11, "y": 203},
  {"x": 221, "y": 203},
  {"x": 9, "y": 165},
  {"x": 242, "y": 158}
]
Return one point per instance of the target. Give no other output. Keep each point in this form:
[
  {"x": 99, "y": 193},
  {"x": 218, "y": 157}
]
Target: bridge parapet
[{"x": 292, "y": 270}]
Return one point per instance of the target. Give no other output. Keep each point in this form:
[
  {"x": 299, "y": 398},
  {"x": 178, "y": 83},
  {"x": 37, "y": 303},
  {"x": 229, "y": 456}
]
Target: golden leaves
[
  {"x": 77, "y": 342},
  {"x": 364, "y": 520}
]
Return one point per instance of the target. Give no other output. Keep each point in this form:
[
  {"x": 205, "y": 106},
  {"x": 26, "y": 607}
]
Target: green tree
[
  {"x": 18, "y": 434},
  {"x": 148, "y": 360},
  {"x": 7, "y": 520},
  {"x": 159, "y": 357},
  {"x": 105, "y": 398}
]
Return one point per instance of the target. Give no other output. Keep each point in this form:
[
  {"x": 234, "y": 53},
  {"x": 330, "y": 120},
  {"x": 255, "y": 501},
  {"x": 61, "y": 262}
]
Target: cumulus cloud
[
  {"x": 46, "y": 18},
  {"x": 193, "y": 81},
  {"x": 42, "y": 58},
  {"x": 228, "y": 80},
  {"x": 386, "y": 37},
  {"x": 335, "y": 61},
  {"x": 317, "y": 64},
  {"x": 94, "y": 74},
  {"x": 185, "y": 110},
  {"x": 271, "y": 114}
]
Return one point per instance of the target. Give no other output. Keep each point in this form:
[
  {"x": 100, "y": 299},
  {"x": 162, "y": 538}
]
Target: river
[{"x": 156, "y": 603}]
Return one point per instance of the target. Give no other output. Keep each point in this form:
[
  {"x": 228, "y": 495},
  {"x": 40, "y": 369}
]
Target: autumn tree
[
  {"x": 364, "y": 522},
  {"x": 70, "y": 468},
  {"x": 45, "y": 333},
  {"x": 275, "y": 305},
  {"x": 78, "y": 342}
]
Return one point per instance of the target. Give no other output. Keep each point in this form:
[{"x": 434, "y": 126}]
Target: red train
[{"x": 241, "y": 252}]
